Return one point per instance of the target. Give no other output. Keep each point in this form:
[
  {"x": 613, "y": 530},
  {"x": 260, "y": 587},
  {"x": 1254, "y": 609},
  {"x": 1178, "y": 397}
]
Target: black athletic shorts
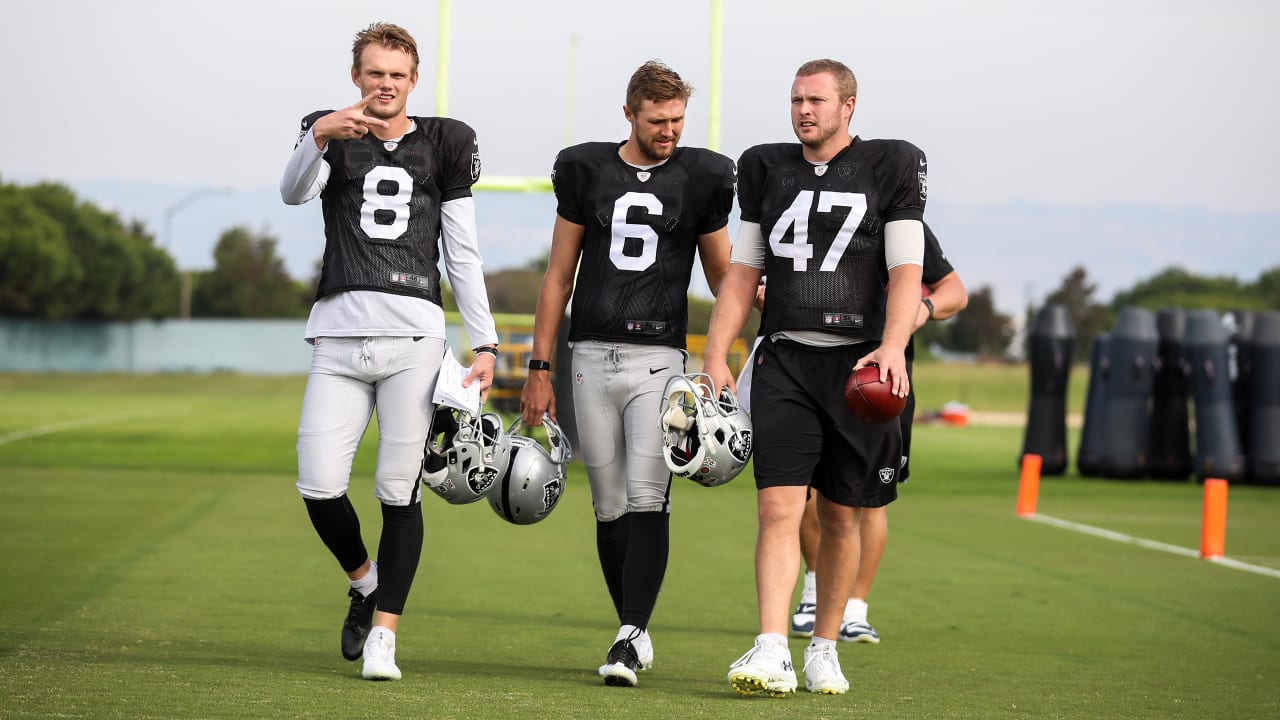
[{"x": 804, "y": 435}]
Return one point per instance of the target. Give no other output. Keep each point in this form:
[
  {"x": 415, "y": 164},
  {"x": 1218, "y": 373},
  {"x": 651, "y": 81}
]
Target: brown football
[{"x": 870, "y": 400}]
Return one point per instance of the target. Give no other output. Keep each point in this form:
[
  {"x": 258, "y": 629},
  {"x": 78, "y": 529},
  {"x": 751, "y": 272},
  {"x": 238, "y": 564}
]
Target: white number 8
[{"x": 374, "y": 201}]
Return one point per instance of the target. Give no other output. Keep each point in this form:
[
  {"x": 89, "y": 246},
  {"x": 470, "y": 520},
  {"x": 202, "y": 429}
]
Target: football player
[
  {"x": 946, "y": 297},
  {"x": 832, "y": 220},
  {"x": 629, "y": 218},
  {"x": 396, "y": 196}
]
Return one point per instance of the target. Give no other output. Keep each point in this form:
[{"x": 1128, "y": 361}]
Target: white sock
[
  {"x": 369, "y": 582},
  {"x": 775, "y": 638},
  {"x": 818, "y": 643},
  {"x": 855, "y": 611},
  {"x": 810, "y": 592},
  {"x": 625, "y": 632}
]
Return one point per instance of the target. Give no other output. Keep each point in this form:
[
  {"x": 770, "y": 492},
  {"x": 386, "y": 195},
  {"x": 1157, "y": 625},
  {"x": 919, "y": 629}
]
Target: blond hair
[
  {"x": 392, "y": 37},
  {"x": 846, "y": 83}
]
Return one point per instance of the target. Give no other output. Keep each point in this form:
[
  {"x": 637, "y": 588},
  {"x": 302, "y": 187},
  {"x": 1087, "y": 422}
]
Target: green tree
[
  {"x": 1090, "y": 318},
  {"x": 248, "y": 280},
  {"x": 1267, "y": 288},
  {"x": 980, "y": 329},
  {"x": 514, "y": 291},
  {"x": 38, "y": 263},
  {"x": 119, "y": 275},
  {"x": 1175, "y": 287}
]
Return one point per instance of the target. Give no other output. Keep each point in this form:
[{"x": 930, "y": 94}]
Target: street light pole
[{"x": 184, "y": 293}]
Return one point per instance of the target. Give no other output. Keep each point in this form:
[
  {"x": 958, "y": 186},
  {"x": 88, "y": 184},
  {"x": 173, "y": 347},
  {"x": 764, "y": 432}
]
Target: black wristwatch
[
  {"x": 486, "y": 349},
  {"x": 539, "y": 365},
  {"x": 929, "y": 304}
]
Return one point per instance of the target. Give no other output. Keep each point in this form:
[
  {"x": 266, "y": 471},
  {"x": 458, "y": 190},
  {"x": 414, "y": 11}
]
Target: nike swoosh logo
[
  {"x": 655, "y": 371},
  {"x": 922, "y": 163}
]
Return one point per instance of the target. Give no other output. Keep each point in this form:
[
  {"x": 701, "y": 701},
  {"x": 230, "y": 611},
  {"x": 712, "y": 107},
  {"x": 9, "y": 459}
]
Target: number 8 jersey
[
  {"x": 823, "y": 227},
  {"x": 641, "y": 232},
  {"x": 382, "y": 206}
]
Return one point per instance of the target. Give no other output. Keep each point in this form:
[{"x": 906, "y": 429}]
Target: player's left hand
[
  {"x": 893, "y": 367},
  {"x": 482, "y": 372}
]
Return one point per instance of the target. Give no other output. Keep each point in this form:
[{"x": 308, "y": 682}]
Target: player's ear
[
  {"x": 626, "y": 112},
  {"x": 849, "y": 103},
  {"x": 413, "y": 80},
  {"x": 355, "y": 75}
]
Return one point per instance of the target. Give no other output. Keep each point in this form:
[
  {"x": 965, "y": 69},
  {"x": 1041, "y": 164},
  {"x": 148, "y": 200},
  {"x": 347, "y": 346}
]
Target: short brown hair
[
  {"x": 392, "y": 37},
  {"x": 846, "y": 83},
  {"x": 655, "y": 82}
]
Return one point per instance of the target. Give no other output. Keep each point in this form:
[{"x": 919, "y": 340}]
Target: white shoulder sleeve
[
  {"x": 903, "y": 243},
  {"x": 306, "y": 174},
  {"x": 748, "y": 249},
  {"x": 461, "y": 248}
]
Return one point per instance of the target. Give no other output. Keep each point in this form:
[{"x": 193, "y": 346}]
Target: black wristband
[
  {"x": 486, "y": 349},
  {"x": 539, "y": 365},
  {"x": 929, "y": 304}
]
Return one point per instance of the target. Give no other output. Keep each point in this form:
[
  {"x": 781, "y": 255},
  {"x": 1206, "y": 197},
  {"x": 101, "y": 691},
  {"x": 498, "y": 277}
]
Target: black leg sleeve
[
  {"x": 336, "y": 522},
  {"x": 646, "y": 566},
  {"x": 611, "y": 546},
  {"x": 398, "y": 555}
]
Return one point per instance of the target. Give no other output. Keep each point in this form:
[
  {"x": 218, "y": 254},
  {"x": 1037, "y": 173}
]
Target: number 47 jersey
[
  {"x": 823, "y": 227},
  {"x": 641, "y": 229}
]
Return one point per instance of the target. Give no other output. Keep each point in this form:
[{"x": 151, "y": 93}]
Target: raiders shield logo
[
  {"x": 475, "y": 167},
  {"x": 886, "y": 475},
  {"x": 551, "y": 493}
]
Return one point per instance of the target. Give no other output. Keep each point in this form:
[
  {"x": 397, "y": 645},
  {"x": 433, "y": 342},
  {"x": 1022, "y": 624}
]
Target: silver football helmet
[
  {"x": 706, "y": 439},
  {"x": 465, "y": 454},
  {"x": 535, "y": 478}
]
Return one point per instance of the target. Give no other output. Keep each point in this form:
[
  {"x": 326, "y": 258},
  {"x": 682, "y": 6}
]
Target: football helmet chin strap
[{"x": 704, "y": 438}]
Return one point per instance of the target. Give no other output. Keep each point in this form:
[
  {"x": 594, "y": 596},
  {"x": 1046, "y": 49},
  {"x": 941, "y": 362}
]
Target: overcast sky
[
  {"x": 1082, "y": 103},
  {"x": 1167, "y": 103}
]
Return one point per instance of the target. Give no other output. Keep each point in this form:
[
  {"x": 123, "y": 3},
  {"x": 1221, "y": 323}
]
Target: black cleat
[
  {"x": 359, "y": 620},
  {"x": 619, "y": 669}
]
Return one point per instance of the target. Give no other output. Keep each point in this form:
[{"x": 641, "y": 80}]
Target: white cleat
[
  {"x": 822, "y": 672},
  {"x": 380, "y": 655},
  {"x": 765, "y": 669},
  {"x": 803, "y": 619},
  {"x": 859, "y": 632}
]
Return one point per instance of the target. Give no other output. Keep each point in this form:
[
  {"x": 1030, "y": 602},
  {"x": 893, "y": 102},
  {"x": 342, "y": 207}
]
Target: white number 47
[{"x": 797, "y": 218}]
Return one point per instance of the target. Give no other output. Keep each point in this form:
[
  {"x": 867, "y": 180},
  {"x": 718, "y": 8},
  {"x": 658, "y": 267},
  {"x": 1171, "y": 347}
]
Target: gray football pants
[
  {"x": 617, "y": 398},
  {"x": 349, "y": 379}
]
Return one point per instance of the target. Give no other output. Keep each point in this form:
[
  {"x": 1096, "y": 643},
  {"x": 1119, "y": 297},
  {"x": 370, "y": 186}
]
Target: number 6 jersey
[
  {"x": 382, "y": 206},
  {"x": 641, "y": 232},
  {"x": 823, "y": 229}
]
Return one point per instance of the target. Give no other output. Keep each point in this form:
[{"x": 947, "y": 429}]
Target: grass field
[{"x": 162, "y": 566}]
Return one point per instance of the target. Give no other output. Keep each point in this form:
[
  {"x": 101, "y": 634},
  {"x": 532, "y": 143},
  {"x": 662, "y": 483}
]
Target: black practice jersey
[
  {"x": 823, "y": 227},
  {"x": 641, "y": 233},
  {"x": 382, "y": 206}
]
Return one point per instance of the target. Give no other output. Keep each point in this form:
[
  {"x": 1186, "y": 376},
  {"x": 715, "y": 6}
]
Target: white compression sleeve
[
  {"x": 903, "y": 243},
  {"x": 306, "y": 174},
  {"x": 462, "y": 262},
  {"x": 748, "y": 249}
]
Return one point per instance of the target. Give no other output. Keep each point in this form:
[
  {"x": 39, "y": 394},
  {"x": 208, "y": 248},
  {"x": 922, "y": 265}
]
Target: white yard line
[
  {"x": 1150, "y": 544},
  {"x": 83, "y": 422}
]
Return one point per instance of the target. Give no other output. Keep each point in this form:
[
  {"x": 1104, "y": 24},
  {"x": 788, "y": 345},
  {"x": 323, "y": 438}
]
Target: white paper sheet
[{"x": 449, "y": 390}]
